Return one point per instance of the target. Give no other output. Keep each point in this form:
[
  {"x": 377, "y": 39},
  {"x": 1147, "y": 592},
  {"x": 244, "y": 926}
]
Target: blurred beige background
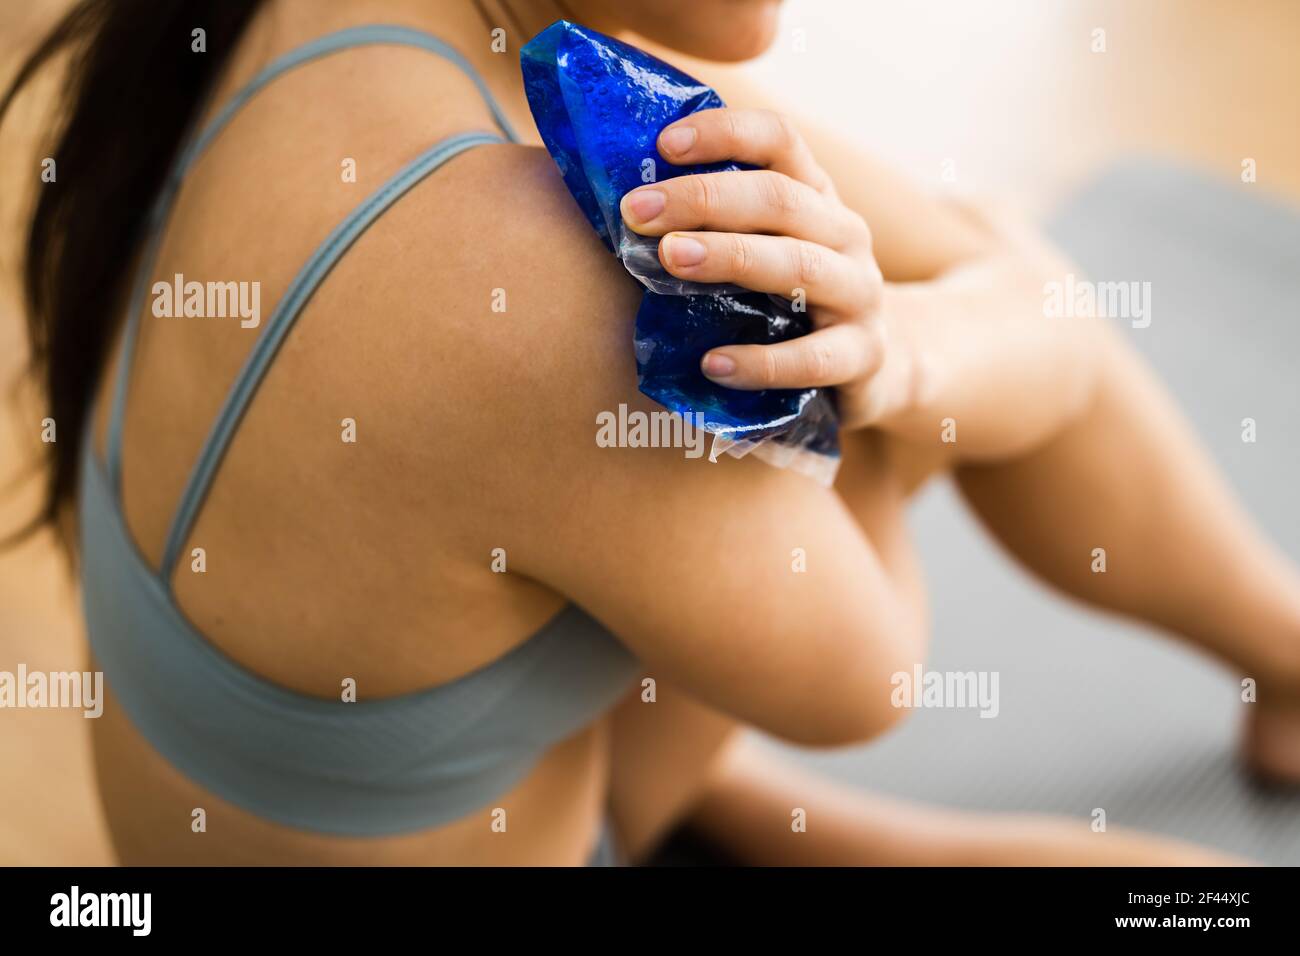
[{"x": 976, "y": 96}]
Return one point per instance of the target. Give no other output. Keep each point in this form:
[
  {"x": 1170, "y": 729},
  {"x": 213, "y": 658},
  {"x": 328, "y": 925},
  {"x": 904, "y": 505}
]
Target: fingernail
[
  {"x": 675, "y": 141},
  {"x": 716, "y": 365},
  {"x": 683, "y": 251},
  {"x": 643, "y": 205}
]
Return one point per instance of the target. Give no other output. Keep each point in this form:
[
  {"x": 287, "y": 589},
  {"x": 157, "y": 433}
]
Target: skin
[{"x": 475, "y": 432}]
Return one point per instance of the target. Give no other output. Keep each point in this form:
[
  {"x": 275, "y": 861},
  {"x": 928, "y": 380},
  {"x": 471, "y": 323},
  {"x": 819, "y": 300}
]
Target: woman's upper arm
[{"x": 748, "y": 585}]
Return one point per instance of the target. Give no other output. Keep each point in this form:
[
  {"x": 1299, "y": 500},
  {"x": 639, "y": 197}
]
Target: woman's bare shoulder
[
  {"x": 506, "y": 324},
  {"x": 496, "y": 246},
  {"x": 508, "y": 333}
]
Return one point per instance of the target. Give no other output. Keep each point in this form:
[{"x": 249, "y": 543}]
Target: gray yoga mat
[{"x": 1096, "y": 712}]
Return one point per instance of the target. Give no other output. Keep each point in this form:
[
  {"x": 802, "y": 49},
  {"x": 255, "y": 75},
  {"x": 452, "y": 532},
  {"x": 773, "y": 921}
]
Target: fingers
[
  {"x": 749, "y": 201},
  {"x": 829, "y": 280},
  {"x": 758, "y": 137},
  {"x": 829, "y": 356},
  {"x": 781, "y": 230}
]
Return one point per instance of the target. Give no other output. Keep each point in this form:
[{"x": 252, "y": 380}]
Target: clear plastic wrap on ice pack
[{"x": 600, "y": 105}]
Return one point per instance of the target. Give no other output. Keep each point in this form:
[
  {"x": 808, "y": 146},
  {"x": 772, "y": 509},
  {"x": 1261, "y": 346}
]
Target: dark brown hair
[{"x": 132, "y": 87}]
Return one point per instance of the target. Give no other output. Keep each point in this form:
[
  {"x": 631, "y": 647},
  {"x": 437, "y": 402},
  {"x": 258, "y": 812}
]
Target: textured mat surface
[{"x": 1096, "y": 712}]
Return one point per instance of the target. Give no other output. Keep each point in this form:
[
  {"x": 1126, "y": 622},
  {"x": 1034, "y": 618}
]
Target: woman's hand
[{"x": 780, "y": 229}]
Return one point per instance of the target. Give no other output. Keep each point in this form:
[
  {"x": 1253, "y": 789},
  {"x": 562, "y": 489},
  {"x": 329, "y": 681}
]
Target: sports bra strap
[
  {"x": 281, "y": 321},
  {"x": 304, "y": 284},
  {"x": 371, "y": 35}
]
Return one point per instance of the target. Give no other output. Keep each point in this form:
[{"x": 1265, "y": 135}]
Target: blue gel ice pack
[{"x": 600, "y": 105}]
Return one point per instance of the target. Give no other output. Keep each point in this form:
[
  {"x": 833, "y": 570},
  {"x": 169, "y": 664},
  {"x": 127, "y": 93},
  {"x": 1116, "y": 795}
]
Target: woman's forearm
[{"x": 974, "y": 361}]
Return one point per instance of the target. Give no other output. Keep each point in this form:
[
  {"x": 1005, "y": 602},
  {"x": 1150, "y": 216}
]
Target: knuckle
[
  {"x": 871, "y": 284},
  {"x": 787, "y": 136},
  {"x": 853, "y": 232},
  {"x": 741, "y": 257},
  {"x": 820, "y": 180},
  {"x": 876, "y": 279},
  {"x": 809, "y": 263},
  {"x": 730, "y": 126},
  {"x": 768, "y": 367},
  {"x": 860, "y": 228},
  {"x": 819, "y": 361},
  {"x": 874, "y": 351},
  {"x": 783, "y": 194},
  {"x": 703, "y": 196}
]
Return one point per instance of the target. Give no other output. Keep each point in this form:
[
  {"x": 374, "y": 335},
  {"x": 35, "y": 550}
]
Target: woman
[{"x": 364, "y": 587}]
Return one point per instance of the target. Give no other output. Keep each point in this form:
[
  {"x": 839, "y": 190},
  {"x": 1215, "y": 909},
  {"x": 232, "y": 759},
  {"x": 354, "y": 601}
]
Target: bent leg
[
  {"x": 741, "y": 798},
  {"x": 1066, "y": 443},
  {"x": 748, "y": 806},
  {"x": 1129, "y": 477}
]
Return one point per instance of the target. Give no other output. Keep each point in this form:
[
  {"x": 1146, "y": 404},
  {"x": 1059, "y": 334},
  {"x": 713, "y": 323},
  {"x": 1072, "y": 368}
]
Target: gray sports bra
[{"x": 365, "y": 768}]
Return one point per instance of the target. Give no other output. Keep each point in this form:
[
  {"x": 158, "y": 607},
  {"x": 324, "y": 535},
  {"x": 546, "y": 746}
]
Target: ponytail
[{"x": 134, "y": 82}]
